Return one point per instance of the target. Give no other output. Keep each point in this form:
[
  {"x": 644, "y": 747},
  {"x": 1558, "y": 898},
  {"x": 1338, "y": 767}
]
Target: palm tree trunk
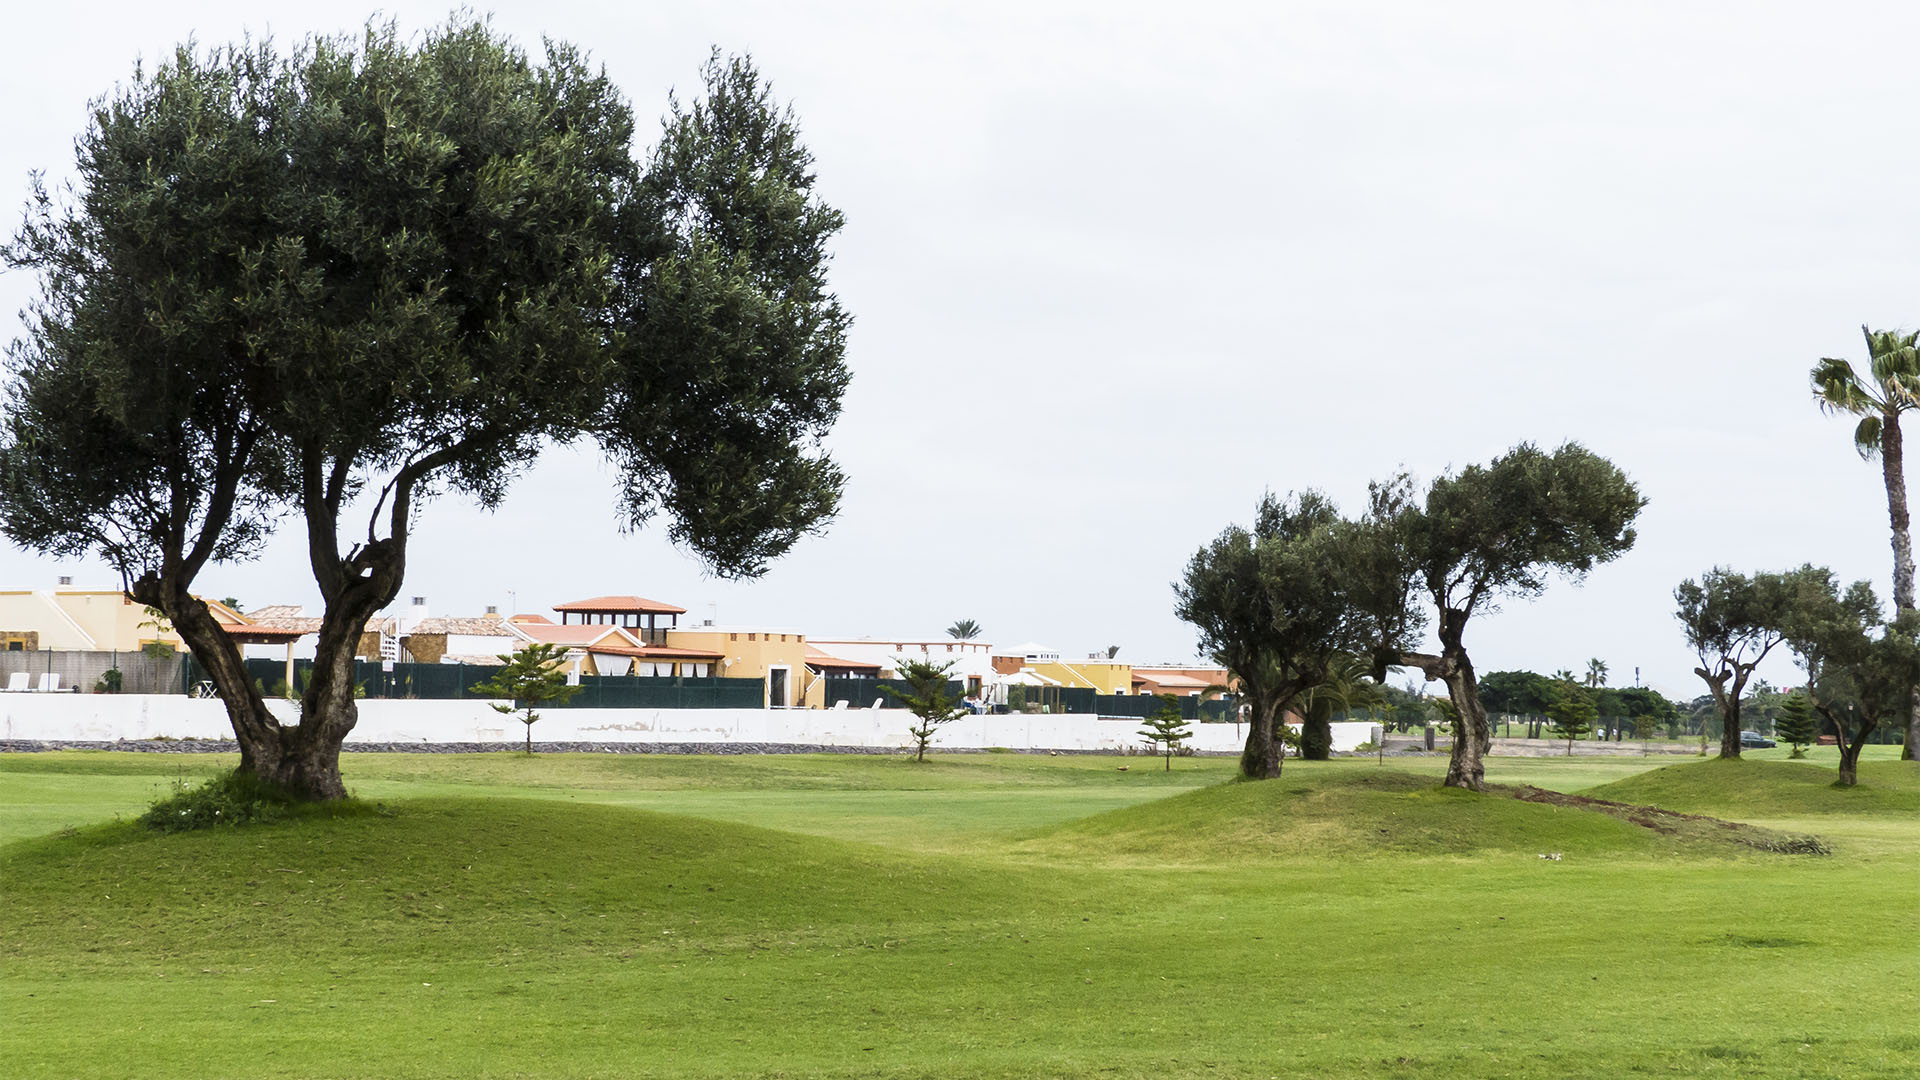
[{"x": 1893, "y": 469}]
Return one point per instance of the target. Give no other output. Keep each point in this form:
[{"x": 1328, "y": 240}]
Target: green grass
[
  {"x": 1772, "y": 789},
  {"x": 986, "y": 915}
]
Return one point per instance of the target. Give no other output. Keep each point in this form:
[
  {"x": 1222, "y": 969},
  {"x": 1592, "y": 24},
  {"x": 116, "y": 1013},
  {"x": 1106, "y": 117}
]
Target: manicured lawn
[{"x": 985, "y": 915}]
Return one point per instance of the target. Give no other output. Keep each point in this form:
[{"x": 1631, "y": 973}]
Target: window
[
  {"x": 733, "y": 637},
  {"x": 753, "y": 637}
]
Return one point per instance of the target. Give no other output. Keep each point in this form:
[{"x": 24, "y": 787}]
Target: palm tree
[
  {"x": 1894, "y": 363},
  {"x": 964, "y": 630},
  {"x": 1348, "y": 688},
  {"x": 1596, "y": 674}
]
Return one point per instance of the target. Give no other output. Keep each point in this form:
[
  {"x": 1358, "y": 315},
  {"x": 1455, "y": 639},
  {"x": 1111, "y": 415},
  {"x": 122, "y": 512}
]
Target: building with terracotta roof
[
  {"x": 1178, "y": 681},
  {"x": 635, "y": 613}
]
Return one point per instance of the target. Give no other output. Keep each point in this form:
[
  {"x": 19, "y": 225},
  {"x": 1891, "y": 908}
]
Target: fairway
[{"x": 980, "y": 915}]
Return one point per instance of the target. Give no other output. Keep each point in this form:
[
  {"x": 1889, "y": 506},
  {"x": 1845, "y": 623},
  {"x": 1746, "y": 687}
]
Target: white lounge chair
[
  {"x": 50, "y": 682},
  {"x": 877, "y": 702},
  {"x": 841, "y": 704},
  {"x": 17, "y": 682}
]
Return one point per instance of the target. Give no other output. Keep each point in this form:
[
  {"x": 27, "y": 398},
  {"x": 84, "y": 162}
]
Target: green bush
[{"x": 233, "y": 799}]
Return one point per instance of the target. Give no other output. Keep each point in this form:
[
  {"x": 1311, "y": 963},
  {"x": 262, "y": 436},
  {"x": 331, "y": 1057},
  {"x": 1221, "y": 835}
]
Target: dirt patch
[{"x": 1673, "y": 823}]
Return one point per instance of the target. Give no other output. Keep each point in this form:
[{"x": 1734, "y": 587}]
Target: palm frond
[
  {"x": 1891, "y": 354},
  {"x": 1839, "y": 390},
  {"x": 1866, "y": 437}
]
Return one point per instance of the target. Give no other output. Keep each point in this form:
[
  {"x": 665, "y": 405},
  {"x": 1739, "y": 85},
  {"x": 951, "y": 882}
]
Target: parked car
[{"x": 1753, "y": 740}]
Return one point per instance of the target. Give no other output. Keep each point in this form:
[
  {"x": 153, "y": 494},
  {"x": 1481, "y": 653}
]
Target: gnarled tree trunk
[
  {"x": 1472, "y": 738},
  {"x": 1729, "y": 705},
  {"x": 1262, "y": 756},
  {"x": 303, "y": 759},
  {"x": 256, "y": 729}
]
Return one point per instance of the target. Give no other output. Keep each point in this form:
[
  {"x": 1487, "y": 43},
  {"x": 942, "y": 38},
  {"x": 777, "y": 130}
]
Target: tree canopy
[
  {"x": 1860, "y": 668},
  {"x": 1487, "y": 533},
  {"x": 372, "y": 271},
  {"x": 1733, "y": 621},
  {"x": 1278, "y": 605}
]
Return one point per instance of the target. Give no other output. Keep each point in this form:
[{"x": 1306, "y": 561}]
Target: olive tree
[
  {"x": 1732, "y": 622},
  {"x": 1490, "y": 533},
  {"x": 1279, "y": 605},
  {"x": 345, "y": 280},
  {"x": 1860, "y": 667}
]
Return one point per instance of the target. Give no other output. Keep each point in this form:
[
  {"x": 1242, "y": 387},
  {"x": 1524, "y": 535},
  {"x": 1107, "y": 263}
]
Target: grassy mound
[
  {"x": 471, "y": 877},
  {"x": 1355, "y": 814},
  {"x": 1770, "y": 789}
]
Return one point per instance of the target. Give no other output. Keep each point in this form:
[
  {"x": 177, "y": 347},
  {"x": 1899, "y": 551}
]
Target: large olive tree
[
  {"x": 1280, "y": 605},
  {"x": 1860, "y": 668},
  {"x": 341, "y": 281},
  {"x": 1492, "y": 532},
  {"x": 1732, "y": 621}
]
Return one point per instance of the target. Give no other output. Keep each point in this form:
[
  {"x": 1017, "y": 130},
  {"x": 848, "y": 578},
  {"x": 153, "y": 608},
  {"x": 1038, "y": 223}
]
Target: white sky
[{"x": 1116, "y": 271}]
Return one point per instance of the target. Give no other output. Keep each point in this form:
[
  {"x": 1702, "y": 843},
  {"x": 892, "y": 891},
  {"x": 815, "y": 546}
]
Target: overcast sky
[{"x": 1117, "y": 271}]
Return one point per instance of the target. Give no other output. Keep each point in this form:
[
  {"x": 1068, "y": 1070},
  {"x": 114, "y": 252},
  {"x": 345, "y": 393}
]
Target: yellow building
[
  {"x": 776, "y": 657},
  {"x": 1099, "y": 674},
  {"x": 96, "y": 620}
]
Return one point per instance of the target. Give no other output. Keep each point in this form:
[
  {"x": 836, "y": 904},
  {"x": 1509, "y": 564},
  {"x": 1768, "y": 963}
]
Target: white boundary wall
[{"x": 111, "y": 717}]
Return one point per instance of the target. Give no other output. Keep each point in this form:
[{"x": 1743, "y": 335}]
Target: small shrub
[
  {"x": 233, "y": 799},
  {"x": 110, "y": 682},
  {"x": 999, "y": 749}
]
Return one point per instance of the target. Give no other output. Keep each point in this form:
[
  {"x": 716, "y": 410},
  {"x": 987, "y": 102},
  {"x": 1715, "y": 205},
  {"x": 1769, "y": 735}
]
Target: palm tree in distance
[
  {"x": 964, "y": 630},
  {"x": 1349, "y": 688},
  {"x": 1894, "y": 387},
  {"x": 1596, "y": 673}
]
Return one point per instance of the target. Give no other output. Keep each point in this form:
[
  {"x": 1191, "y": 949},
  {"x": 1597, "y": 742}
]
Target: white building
[{"x": 972, "y": 660}]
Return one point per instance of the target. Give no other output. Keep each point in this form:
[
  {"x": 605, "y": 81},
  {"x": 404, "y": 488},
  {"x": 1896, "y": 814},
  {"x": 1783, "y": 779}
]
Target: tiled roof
[
  {"x": 576, "y": 635},
  {"x": 656, "y": 652},
  {"x": 276, "y": 611},
  {"x": 621, "y": 603},
  {"x": 306, "y": 624},
  {"x": 819, "y": 659},
  {"x": 471, "y": 627}
]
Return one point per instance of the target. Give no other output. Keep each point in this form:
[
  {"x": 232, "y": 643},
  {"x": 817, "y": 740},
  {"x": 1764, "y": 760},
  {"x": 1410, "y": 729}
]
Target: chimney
[
  {"x": 416, "y": 611},
  {"x": 65, "y": 581},
  {"x": 493, "y": 611}
]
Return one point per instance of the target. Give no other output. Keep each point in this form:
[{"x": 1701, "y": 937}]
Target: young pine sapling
[
  {"x": 531, "y": 678},
  {"x": 1166, "y": 729}
]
